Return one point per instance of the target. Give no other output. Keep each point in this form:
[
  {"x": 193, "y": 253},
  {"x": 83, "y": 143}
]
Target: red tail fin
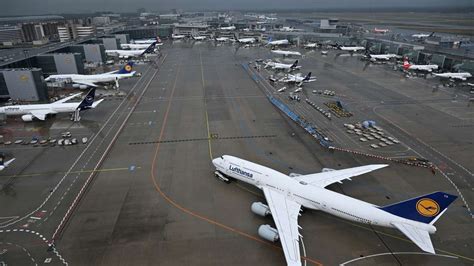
[{"x": 406, "y": 65}]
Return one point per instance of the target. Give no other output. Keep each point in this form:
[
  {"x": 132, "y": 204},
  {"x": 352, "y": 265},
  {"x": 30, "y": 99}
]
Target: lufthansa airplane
[
  {"x": 86, "y": 81},
  {"x": 29, "y": 112},
  {"x": 286, "y": 195}
]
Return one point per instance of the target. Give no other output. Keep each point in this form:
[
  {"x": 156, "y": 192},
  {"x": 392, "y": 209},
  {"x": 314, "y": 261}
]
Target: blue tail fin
[
  {"x": 425, "y": 209},
  {"x": 127, "y": 68},
  {"x": 88, "y": 100},
  {"x": 294, "y": 64},
  {"x": 150, "y": 48}
]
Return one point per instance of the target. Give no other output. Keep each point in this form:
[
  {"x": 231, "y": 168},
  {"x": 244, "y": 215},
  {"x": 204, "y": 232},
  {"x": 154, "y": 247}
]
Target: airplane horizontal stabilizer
[{"x": 419, "y": 236}]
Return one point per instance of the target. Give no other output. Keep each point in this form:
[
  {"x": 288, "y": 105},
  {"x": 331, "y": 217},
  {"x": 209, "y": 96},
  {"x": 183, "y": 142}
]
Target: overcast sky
[{"x": 35, "y": 7}]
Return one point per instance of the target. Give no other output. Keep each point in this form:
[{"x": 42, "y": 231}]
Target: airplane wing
[
  {"x": 65, "y": 99},
  {"x": 41, "y": 114},
  {"x": 90, "y": 84},
  {"x": 325, "y": 179},
  {"x": 9, "y": 162},
  {"x": 285, "y": 213},
  {"x": 420, "y": 237}
]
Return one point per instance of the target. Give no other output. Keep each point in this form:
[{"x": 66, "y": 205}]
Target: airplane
[
  {"x": 350, "y": 48},
  {"x": 4, "y": 164},
  {"x": 383, "y": 31},
  {"x": 199, "y": 38},
  {"x": 177, "y": 36},
  {"x": 86, "y": 81},
  {"x": 422, "y": 35},
  {"x": 29, "y": 112},
  {"x": 461, "y": 75},
  {"x": 148, "y": 41},
  {"x": 134, "y": 46},
  {"x": 289, "y": 29},
  {"x": 277, "y": 42},
  {"x": 246, "y": 40},
  {"x": 222, "y": 39},
  {"x": 286, "y": 53},
  {"x": 286, "y": 194},
  {"x": 131, "y": 53},
  {"x": 298, "y": 78},
  {"x": 311, "y": 45},
  {"x": 426, "y": 68},
  {"x": 229, "y": 28},
  {"x": 386, "y": 57},
  {"x": 281, "y": 66}
]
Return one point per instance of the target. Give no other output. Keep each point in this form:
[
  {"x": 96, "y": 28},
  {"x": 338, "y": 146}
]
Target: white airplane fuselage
[
  {"x": 26, "y": 109},
  {"x": 278, "y": 42},
  {"x": 125, "y": 53},
  {"x": 246, "y": 40},
  {"x": 352, "y": 48},
  {"x": 382, "y": 56},
  {"x": 97, "y": 78},
  {"x": 309, "y": 196},
  {"x": 149, "y": 41},
  {"x": 460, "y": 76},
  {"x": 134, "y": 46},
  {"x": 286, "y": 53}
]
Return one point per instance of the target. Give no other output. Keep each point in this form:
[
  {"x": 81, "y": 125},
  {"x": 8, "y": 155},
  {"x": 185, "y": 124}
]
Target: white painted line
[{"x": 396, "y": 253}]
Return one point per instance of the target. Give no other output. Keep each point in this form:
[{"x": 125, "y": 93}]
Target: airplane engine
[
  {"x": 327, "y": 170},
  {"x": 27, "y": 118},
  {"x": 260, "y": 209},
  {"x": 267, "y": 232}
]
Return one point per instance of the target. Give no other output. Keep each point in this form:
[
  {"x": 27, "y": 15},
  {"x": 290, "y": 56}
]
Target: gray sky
[{"x": 34, "y": 7}]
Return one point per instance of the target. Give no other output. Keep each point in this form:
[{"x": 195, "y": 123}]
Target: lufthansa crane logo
[
  {"x": 427, "y": 207},
  {"x": 23, "y": 77},
  {"x": 128, "y": 68}
]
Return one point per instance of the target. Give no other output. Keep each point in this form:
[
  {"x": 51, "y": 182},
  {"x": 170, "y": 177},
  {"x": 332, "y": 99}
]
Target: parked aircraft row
[{"x": 286, "y": 195}]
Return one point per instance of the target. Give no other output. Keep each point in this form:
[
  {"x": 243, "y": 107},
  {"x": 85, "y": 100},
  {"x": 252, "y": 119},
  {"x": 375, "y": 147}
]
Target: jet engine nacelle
[
  {"x": 327, "y": 170},
  {"x": 260, "y": 209},
  {"x": 267, "y": 232},
  {"x": 27, "y": 118},
  {"x": 79, "y": 86}
]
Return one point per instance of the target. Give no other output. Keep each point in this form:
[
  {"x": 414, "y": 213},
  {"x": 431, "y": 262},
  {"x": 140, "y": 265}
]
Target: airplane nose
[{"x": 217, "y": 161}]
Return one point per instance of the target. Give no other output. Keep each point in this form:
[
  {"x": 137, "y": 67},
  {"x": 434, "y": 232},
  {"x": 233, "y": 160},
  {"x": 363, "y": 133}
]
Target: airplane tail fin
[
  {"x": 294, "y": 64},
  {"x": 406, "y": 64},
  {"x": 308, "y": 77},
  {"x": 426, "y": 209},
  {"x": 431, "y": 35},
  {"x": 88, "y": 101},
  {"x": 150, "y": 49},
  {"x": 127, "y": 68}
]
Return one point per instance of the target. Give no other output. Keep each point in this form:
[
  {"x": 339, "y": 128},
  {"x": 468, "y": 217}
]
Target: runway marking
[
  {"x": 78, "y": 197},
  {"x": 205, "y": 106},
  {"x": 77, "y": 159},
  {"x": 183, "y": 209},
  {"x": 394, "y": 236},
  {"x": 202, "y": 139},
  {"x": 437, "y": 168},
  {"x": 72, "y": 172},
  {"x": 396, "y": 253}
]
